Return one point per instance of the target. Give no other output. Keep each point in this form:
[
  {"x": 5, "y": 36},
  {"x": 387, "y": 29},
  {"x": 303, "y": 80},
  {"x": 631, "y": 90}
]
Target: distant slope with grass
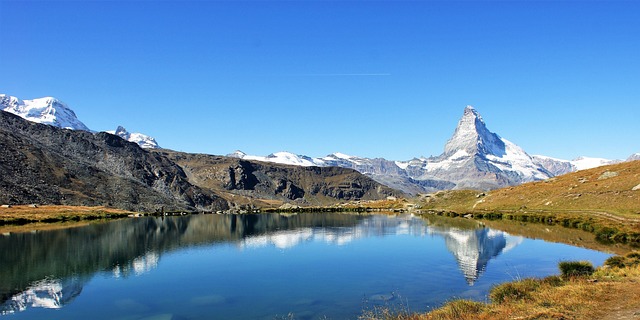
[
  {"x": 603, "y": 200},
  {"x": 613, "y": 189}
]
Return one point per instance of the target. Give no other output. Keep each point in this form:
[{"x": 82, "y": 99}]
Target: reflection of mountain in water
[
  {"x": 123, "y": 248},
  {"x": 134, "y": 246},
  {"x": 473, "y": 248},
  {"x": 52, "y": 294}
]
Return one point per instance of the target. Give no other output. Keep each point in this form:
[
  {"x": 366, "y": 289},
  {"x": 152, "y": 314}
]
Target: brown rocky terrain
[
  {"x": 47, "y": 165},
  {"x": 263, "y": 184}
]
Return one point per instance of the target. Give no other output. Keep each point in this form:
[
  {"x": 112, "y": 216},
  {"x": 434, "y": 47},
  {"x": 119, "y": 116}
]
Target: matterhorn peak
[{"x": 473, "y": 137}]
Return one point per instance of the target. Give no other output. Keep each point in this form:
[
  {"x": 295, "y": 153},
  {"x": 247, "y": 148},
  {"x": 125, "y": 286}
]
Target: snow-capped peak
[
  {"x": 583, "y": 163},
  {"x": 472, "y": 136},
  {"x": 47, "y": 110},
  {"x": 237, "y": 154},
  {"x": 282, "y": 157},
  {"x": 143, "y": 140}
]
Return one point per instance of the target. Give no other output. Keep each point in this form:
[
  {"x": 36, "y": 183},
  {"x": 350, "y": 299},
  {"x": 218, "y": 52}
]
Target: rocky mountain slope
[
  {"x": 48, "y": 165},
  {"x": 54, "y": 112},
  {"x": 260, "y": 183},
  {"x": 44, "y": 164}
]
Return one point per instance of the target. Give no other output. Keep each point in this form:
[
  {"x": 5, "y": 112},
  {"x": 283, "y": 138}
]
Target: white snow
[
  {"x": 47, "y": 110},
  {"x": 583, "y": 163},
  {"x": 143, "y": 140},
  {"x": 282, "y": 157}
]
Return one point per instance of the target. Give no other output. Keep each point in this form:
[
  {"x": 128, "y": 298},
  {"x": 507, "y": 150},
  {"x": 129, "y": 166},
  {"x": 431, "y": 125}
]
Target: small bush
[
  {"x": 576, "y": 268},
  {"x": 517, "y": 290},
  {"x": 616, "y": 261},
  {"x": 633, "y": 255}
]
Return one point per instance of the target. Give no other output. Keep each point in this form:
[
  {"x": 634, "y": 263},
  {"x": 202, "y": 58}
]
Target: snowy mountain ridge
[
  {"x": 53, "y": 112},
  {"x": 474, "y": 157},
  {"x": 47, "y": 110},
  {"x": 142, "y": 140}
]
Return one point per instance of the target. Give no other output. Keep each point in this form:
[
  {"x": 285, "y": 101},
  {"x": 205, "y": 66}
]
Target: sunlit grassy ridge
[{"x": 603, "y": 200}]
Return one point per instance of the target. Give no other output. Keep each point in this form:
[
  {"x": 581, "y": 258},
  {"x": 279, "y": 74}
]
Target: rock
[
  {"x": 6, "y": 206},
  {"x": 636, "y": 188},
  {"x": 607, "y": 175},
  {"x": 288, "y": 206}
]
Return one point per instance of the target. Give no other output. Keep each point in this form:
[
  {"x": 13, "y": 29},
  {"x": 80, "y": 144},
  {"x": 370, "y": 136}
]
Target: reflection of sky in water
[{"x": 311, "y": 272}]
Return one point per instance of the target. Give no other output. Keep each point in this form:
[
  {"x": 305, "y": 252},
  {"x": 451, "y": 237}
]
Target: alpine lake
[{"x": 264, "y": 266}]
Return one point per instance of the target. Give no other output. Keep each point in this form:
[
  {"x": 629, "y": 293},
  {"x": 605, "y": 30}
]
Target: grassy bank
[
  {"x": 26, "y": 214},
  {"x": 609, "y": 292}
]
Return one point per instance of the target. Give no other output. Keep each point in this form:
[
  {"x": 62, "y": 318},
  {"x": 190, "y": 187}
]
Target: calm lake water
[{"x": 266, "y": 266}]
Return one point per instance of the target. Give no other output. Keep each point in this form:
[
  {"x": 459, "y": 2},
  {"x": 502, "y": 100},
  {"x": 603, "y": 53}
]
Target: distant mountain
[
  {"x": 477, "y": 158},
  {"x": 46, "y": 110},
  {"x": 635, "y": 156},
  {"x": 256, "y": 182},
  {"x": 54, "y": 112},
  {"x": 474, "y": 157},
  {"x": 142, "y": 140}
]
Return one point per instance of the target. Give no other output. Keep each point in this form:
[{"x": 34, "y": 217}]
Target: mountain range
[
  {"x": 51, "y": 111},
  {"x": 44, "y": 164},
  {"x": 474, "y": 157}
]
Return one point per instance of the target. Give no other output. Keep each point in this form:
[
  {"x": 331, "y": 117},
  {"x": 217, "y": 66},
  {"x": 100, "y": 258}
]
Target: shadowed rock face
[{"x": 44, "y": 164}]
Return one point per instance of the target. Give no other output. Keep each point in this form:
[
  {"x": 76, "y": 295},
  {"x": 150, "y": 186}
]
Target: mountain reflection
[{"x": 49, "y": 268}]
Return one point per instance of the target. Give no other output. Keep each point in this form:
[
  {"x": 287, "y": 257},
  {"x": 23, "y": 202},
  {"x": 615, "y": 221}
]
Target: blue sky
[{"x": 376, "y": 79}]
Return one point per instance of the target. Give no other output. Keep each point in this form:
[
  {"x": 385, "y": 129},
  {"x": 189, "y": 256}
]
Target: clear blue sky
[{"x": 376, "y": 79}]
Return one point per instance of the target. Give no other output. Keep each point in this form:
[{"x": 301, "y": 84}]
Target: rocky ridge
[
  {"x": 48, "y": 165},
  {"x": 53, "y": 112}
]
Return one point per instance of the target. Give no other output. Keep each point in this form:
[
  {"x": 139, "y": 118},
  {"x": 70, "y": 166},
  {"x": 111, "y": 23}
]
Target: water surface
[{"x": 263, "y": 266}]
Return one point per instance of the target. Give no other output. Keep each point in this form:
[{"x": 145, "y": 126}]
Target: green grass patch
[{"x": 570, "y": 269}]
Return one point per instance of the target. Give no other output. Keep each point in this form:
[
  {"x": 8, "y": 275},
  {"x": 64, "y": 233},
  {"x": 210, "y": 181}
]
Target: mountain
[
  {"x": 54, "y": 112},
  {"x": 259, "y": 183},
  {"x": 635, "y": 156},
  {"x": 474, "y": 157},
  {"x": 559, "y": 167},
  {"x": 46, "y": 110},
  {"x": 142, "y": 140},
  {"x": 48, "y": 165}
]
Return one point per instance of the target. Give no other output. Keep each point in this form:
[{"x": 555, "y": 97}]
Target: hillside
[
  {"x": 612, "y": 189},
  {"x": 603, "y": 200},
  {"x": 262, "y": 184},
  {"x": 44, "y": 164},
  {"x": 47, "y": 165}
]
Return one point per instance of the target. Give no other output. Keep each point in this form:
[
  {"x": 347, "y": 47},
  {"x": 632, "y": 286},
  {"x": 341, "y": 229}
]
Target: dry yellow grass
[{"x": 22, "y": 214}]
